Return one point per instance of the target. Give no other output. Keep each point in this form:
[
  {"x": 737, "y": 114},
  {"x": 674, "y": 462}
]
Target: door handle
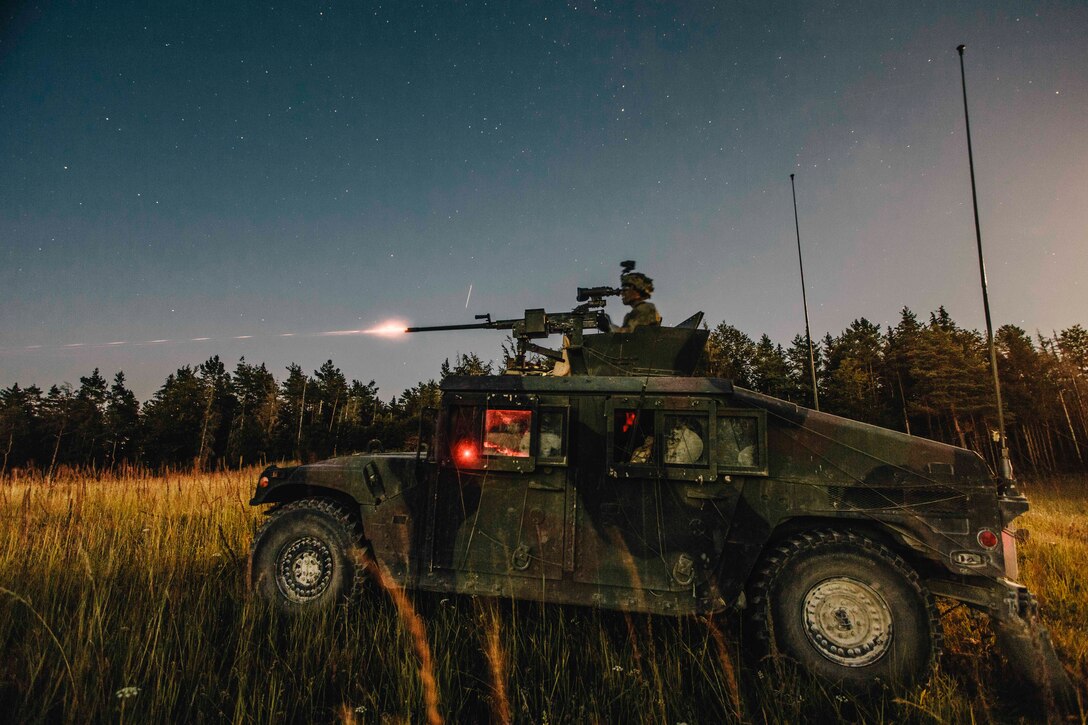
[{"x": 543, "y": 486}]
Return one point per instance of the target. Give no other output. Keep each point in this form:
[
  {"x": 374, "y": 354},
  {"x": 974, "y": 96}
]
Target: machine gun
[
  {"x": 538, "y": 324},
  {"x": 648, "y": 350}
]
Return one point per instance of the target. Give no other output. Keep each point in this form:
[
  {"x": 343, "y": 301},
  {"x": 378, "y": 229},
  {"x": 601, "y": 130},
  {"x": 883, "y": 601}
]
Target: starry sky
[{"x": 183, "y": 179}]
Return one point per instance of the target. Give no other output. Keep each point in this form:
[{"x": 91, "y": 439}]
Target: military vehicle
[{"x": 636, "y": 483}]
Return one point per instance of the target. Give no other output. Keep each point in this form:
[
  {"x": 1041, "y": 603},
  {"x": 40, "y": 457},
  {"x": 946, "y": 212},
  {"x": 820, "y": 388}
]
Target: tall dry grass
[{"x": 122, "y": 598}]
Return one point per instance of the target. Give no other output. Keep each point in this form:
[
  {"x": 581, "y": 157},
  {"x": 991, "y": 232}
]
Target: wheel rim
[
  {"x": 848, "y": 622},
  {"x": 304, "y": 569}
]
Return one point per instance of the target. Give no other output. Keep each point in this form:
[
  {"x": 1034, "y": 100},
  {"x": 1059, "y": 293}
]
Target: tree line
[
  {"x": 206, "y": 416},
  {"x": 932, "y": 379},
  {"x": 925, "y": 378}
]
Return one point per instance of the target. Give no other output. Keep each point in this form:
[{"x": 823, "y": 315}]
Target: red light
[
  {"x": 466, "y": 452},
  {"x": 629, "y": 420},
  {"x": 987, "y": 538},
  {"x": 263, "y": 483}
]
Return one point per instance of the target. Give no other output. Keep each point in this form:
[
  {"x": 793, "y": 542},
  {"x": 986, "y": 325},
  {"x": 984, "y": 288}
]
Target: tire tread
[
  {"x": 777, "y": 559},
  {"x": 349, "y": 524}
]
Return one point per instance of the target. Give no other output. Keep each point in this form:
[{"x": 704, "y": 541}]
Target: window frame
[
  {"x": 661, "y": 408},
  {"x": 711, "y": 411},
  {"x": 563, "y": 409},
  {"x": 485, "y": 461},
  {"x": 760, "y": 417},
  {"x": 628, "y": 470}
]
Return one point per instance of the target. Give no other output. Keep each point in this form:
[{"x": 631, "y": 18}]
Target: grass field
[{"x": 123, "y": 599}]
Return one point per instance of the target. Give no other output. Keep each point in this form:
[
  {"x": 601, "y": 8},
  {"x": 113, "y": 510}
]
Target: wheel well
[
  {"x": 296, "y": 492},
  {"x": 878, "y": 532}
]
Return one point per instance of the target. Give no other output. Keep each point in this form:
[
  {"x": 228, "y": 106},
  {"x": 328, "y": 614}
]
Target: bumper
[{"x": 1023, "y": 637}]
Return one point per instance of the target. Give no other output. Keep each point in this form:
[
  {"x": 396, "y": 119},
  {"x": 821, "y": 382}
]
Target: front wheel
[
  {"x": 307, "y": 555},
  {"x": 845, "y": 608}
]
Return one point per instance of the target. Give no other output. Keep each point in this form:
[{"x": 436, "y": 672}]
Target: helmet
[{"x": 639, "y": 282}]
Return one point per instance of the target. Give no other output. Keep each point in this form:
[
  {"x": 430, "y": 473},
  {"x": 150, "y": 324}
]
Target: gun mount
[
  {"x": 679, "y": 350},
  {"x": 536, "y": 324}
]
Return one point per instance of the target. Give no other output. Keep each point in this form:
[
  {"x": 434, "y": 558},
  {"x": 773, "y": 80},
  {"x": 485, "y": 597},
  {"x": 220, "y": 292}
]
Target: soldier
[{"x": 636, "y": 290}]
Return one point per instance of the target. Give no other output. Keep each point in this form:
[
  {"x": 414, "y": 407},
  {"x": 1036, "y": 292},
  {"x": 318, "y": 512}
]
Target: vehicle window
[
  {"x": 685, "y": 439},
  {"x": 738, "y": 441},
  {"x": 464, "y": 434},
  {"x": 552, "y": 435},
  {"x": 506, "y": 433},
  {"x": 634, "y": 436}
]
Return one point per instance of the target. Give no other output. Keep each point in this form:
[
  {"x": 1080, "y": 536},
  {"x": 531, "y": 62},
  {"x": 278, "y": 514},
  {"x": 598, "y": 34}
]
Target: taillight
[{"x": 987, "y": 539}]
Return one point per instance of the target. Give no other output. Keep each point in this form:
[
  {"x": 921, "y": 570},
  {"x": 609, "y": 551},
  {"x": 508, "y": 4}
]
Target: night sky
[{"x": 257, "y": 174}]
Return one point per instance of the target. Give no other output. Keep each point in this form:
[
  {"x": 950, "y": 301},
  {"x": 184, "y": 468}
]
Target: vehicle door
[
  {"x": 501, "y": 496},
  {"x": 662, "y": 511}
]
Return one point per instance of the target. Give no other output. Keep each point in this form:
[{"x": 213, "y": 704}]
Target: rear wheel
[
  {"x": 307, "y": 555},
  {"x": 846, "y": 609}
]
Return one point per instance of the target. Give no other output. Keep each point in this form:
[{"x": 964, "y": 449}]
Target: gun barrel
[{"x": 440, "y": 328}]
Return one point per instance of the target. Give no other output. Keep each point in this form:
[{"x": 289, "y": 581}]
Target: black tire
[
  {"x": 308, "y": 555},
  {"x": 846, "y": 609}
]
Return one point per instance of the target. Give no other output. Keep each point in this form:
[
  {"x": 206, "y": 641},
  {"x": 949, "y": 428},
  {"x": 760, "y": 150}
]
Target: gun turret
[
  {"x": 536, "y": 324},
  {"x": 647, "y": 351}
]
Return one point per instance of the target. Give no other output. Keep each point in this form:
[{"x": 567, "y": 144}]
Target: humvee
[{"x": 635, "y": 483}]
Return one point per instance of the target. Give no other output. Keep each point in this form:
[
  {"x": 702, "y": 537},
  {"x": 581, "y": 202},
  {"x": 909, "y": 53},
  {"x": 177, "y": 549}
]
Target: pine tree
[
  {"x": 800, "y": 374},
  {"x": 362, "y": 417},
  {"x": 408, "y": 409},
  {"x": 88, "y": 440},
  {"x": 217, "y": 396},
  {"x": 470, "y": 364},
  {"x": 770, "y": 371},
  {"x": 854, "y": 362},
  {"x": 1073, "y": 344},
  {"x": 729, "y": 355},
  {"x": 122, "y": 422},
  {"x": 950, "y": 368},
  {"x": 289, "y": 437},
  {"x": 251, "y": 428},
  {"x": 20, "y": 426},
  {"x": 173, "y": 420},
  {"x": 899, "y": 359},
  {"x": 327, "y": 397},
  {"x": 56, "y": 423}
]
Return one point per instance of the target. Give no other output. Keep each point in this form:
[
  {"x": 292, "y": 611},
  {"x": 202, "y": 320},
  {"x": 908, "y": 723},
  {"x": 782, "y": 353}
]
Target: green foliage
[
  {"x": 855, "y": 387},
  {"x": 770, "y": 369},
  {"x": 470, "y": 364},
  {"x": 250, "y": 438},
  {"x": 730, "y": 354},
  {"x": 122, "y": 422},
  {"x": 20, "y": 426},
  {"x": 800, "y": 373},
  {"x": 172, "y": 419}
]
